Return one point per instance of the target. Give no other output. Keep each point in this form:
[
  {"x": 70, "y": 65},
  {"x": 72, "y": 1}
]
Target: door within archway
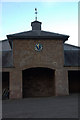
[{"x": 38, "y": 82}]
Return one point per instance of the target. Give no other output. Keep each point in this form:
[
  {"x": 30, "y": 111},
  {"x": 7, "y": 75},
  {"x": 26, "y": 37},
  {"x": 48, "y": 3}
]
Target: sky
[{"x": 58, "y": 17}]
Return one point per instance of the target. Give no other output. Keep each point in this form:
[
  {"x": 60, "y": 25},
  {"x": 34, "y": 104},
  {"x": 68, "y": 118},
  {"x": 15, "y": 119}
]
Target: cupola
[{"x": 36, "y": 25}]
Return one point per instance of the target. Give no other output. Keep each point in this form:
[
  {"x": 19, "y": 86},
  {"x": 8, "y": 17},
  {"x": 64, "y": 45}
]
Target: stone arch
[
  {"x": 38, "y": 82},
  {"x": 37, "y": 65}
]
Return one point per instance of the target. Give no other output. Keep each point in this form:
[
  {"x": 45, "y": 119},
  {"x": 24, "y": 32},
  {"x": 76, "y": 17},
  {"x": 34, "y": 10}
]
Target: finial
[{"x": 35, "y": 14}]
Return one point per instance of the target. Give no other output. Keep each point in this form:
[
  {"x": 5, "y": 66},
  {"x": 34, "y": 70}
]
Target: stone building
[{"x": 38, "y": 63}]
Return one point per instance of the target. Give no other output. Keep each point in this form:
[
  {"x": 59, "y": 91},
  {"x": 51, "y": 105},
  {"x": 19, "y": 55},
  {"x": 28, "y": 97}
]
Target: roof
[
  {"x": 7, "y": 59},
  {"x": 6, "y": 54},
  {"x": 71, "y": 55},
  {"x": 70, "y": 47},
  {"x": 34, "y": 34},
  {"x": 37, "y": 33},
  {"x": 4, "y": 45},
  {"x": 72, "y": 58}
]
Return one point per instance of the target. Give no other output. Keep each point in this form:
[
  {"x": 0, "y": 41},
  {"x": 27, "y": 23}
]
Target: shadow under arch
[{"x": 38, "y": 82}]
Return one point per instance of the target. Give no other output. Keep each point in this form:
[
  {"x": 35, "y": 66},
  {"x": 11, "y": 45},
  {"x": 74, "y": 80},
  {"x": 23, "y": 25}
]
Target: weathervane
[{"x": 36, "y": 14}]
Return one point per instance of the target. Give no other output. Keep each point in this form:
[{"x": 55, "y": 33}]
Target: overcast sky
[{"x": 58, "y": 17}]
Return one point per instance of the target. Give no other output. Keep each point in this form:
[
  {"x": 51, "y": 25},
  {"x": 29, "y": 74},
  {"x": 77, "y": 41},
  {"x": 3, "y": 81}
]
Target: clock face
[{"x": 38, "y": 47}]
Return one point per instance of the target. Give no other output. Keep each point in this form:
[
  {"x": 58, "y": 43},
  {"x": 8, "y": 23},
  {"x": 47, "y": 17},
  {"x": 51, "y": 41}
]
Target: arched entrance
[
  {"x": 74, "y": 81},
  {"x": 5, "y": 85},
  {"x": 38, "y": 82}
]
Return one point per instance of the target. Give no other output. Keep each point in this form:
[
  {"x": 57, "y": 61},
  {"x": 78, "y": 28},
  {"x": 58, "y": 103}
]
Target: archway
[
  {"x": 38, "y": 82},
  {"x": 74, "y": 81},
  {"x": 5, "y": 85}
]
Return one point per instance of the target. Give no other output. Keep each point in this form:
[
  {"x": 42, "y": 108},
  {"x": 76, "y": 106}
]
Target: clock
[{"x": 38, "y": 47}]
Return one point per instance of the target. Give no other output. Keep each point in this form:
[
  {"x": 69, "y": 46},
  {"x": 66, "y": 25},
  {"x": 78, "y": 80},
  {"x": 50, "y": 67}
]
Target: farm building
[{"x": 39, "y": 63}]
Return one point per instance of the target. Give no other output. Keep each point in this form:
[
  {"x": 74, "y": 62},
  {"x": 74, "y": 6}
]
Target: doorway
[
  {"x": 5, "y": 85},
  {"x": 38, "y": 82},
  {"x": 74, "y": 81}
]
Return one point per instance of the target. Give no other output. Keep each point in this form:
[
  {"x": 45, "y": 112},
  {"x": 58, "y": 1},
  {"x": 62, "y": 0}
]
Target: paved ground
[{"x": 48, "y": 107}]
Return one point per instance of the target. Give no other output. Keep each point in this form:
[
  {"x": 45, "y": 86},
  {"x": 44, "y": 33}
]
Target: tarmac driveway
[{"x": 47, "y": 107}]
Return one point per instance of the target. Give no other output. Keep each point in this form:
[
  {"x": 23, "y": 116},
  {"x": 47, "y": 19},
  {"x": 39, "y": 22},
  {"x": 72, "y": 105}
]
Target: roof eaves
[{"x": 64, "y": 38}]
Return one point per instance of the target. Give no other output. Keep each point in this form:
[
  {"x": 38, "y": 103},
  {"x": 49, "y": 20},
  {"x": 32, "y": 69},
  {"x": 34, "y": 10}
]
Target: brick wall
[{"x": 25, "y": 55}]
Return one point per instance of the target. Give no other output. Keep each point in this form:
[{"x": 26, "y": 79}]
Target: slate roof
[
  {"x": 70, "y": 47},
  {"x": 5, "y": 46},
  {"x": 72, "y": 58},
  {"x": 34, "y": 34},
  {"x": 71, "y": 55},
  {"x": 7, "y": 59},
  {"x": 6, "y": 54}
]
